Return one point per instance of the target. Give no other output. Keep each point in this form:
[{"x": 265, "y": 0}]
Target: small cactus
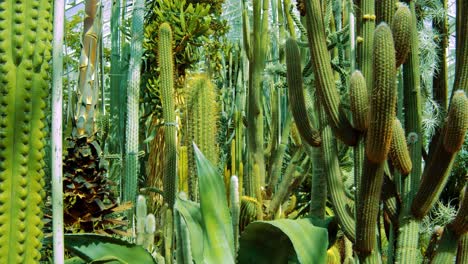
[
  {"x": 359, "y": 101},
  {"x": 401, "y": 30},
  {"x": 399, "y": 154}
]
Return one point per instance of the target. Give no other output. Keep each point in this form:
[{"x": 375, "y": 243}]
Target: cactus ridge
[
  {"x": 399, "y": 154},
  {"x": 457, "y": 122},
  {"x": 384, "y": 96},
  {"x": 166, "y": 65},
  {"x": 296, "y": 95},
  {"x": 384, "y": 10},
  {"x": 25, "y": 37},
  {"x": 359, "y": 102},
  {"x": 401, "y": 30}
]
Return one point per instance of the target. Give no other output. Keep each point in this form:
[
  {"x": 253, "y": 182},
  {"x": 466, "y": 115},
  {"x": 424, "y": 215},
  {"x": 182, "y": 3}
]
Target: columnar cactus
[
  {"x": 296, "y": 95},
  {"x": 401, "y": 30},
  {"x": 202, "y": 117},
  {"x": 384, "y": 96},
  {"x": 399, "y": 154},
  {"x": 25, "y": 37},
  {"x": 359, "y": 102},
  {"x": 166, "y": 65}
]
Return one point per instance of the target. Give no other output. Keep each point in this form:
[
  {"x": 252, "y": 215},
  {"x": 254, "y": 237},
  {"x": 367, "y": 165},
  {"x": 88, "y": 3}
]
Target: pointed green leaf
[
  {"x": 91, "y": 247},
  {"x": 283, "y": 241},
  {"x": 218, "y": 235}
]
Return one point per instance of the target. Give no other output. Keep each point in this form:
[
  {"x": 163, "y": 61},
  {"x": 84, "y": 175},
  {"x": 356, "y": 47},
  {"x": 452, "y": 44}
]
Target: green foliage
[{"x": 97, "y": 248}]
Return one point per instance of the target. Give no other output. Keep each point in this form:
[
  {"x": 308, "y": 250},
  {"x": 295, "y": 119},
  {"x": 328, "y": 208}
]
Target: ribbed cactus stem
[
  {"x": 384, "y": 10},
  {"x": 383, "y": 96},
  {"x": 296, "y": 95},
  {"x": 25, "y": 46},
  {"x": 335, "y": 184},
  {"x": 401, "y": 30},
  {"x": 141, "y": 212},
  {"x": 459, "y": 225},
  {"x": 399, "y": 154},
  {"x": 437, "y": 170},
  {"x": 166, "y": 65},
  {"x": 359, "y": 102},
  {"x": 368, "y": 207},
  {"x": 150, "y": 229},
  {"x": 446, "y": 249},
  {"x": 462, "y": 252},
  {"x": 324, "y": 75}
]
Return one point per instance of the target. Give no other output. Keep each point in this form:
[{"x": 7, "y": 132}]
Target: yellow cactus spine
[
  {"x": 399, "y": 154},
  {"x": 359, "y": 101},
  {"x": 384, "y": 96}
]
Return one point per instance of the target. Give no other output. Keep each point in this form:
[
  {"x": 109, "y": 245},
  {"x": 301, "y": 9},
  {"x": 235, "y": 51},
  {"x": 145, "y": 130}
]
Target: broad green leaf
[
  {"x": 191, "y": 213},
  {"x": 91, "y": 247},
  {"x": 216, "y": 220},
  {"x": 75, "y": 260},
  {"x": 283, "y": 241}
]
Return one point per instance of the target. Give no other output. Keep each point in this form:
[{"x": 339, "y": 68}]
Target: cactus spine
[
  {"x": 25, "y": 37},
  {"x": 359, "y": 101},
  {"x": 401, "y": 30},
  {"x": 457, "y": 122},
  {"x": 296, "y": 95},
  {"x": 324, "y": 75},
  {"x": 384, "y": 10},
  {"x": 384, "y": 96},
  {"x": 202, "y": 115},
  {"x": 166, "y": 65},
  {"x": 399, "y": 154}
]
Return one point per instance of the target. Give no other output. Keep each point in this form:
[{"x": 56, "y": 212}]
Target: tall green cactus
[
  {"x": 324, "y": 75},
  {"x": 131, "y": 146},
  {"x": 296, "y": 95},
  {"x": 401, "y": 29},
  {"x": 166, "y": 65},
  {"x": 25, "y": 37},
  {"x": 202, "y": 118}
]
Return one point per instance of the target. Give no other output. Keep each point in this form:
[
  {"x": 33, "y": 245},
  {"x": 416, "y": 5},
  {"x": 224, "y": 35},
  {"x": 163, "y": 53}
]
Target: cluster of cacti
[{"x": 25, "y": 36}]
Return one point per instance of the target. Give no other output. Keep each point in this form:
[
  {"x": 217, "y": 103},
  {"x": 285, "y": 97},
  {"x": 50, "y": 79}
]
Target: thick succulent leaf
[
  {"x": 216, "y": 220},
  {"x": 283, "y": 241},
  {"x": 191, "y": 213},
  {"x": 91, "y": 247}
]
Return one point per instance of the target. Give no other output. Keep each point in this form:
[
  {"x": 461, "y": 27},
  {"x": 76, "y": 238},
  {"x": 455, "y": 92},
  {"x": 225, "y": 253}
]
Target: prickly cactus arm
[
  {"x": 384, "y": 96},
  {"x": 457, "y": 122},
  {"x": 359, "y": 102},
  {"x": 25, "y": 37},
  {"x": 408, "y": 237},
  {"x": 166, "y": 65},
  {"x": 335, "y": 184},
  {"x": 401, "y": 29},
  {"x": 133, "y": 96},
  {"x": 436, "y": 172},
  {"x": 367, "y": 211},
  {"x": 384, "y": 10},
  {"x": 318, "y": 193},
  {"x": 168, "y": 236},
  {"x": 324, "y": 75},
  {"x": 399, "y": 154},
  {"x": 462, "y": 252},
  {"x": 296, "y": 95},
  {"x": 141, "y": 211}
]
